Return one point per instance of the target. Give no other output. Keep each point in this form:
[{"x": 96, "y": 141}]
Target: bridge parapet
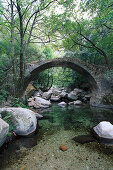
[{"x": 93, "y": 69}]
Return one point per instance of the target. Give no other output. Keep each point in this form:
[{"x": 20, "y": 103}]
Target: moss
[{"x": 108, "y": 99}]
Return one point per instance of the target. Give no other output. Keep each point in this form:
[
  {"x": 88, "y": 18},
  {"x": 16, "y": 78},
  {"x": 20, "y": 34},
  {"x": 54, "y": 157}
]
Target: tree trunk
[
  {"x": 12, "y": 48},
  {"x": 22, "y": 61}
]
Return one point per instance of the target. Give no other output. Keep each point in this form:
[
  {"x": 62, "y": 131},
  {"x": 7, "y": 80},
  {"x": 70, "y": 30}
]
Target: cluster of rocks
[
  {"x": 44, "y": 99},
  {"x": 24, "y": 122}
]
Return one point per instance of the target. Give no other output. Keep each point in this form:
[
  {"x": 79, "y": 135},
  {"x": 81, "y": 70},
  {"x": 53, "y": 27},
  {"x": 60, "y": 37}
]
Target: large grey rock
[
  {"x": 75, "y": 94},
  {"x": 24, "y": 120},
  {"x": 63, "y": 94},
  {"x": 104, "y": 130},
  {"x": 4, "y": 128},
  {"x": 62, "y": 104},
  {"x": 38, "y": 102},
  {"x": 47, "y": 95}
]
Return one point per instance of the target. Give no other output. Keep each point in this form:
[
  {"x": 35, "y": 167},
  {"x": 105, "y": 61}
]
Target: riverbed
[{"x": 60, "y": 126}]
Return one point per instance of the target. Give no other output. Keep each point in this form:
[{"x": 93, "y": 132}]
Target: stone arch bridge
[{"x": 93, "y": 73}]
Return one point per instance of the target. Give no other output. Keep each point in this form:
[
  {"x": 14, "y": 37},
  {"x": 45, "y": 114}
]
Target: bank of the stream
[{"x": 41, "y": 152}]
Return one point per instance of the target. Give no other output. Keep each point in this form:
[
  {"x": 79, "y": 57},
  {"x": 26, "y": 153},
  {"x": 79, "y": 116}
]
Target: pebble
[{"x": 63, "y": 147}]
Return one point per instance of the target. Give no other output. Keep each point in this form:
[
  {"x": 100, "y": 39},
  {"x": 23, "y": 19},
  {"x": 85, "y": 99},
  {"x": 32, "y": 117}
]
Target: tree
[
  {"x": 24, "y": 18},
  {"x": 79, "y": 32}
]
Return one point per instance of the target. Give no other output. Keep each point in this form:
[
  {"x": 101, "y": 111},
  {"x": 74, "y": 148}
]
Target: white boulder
[
  {"x": 38, "y": 102},
  {"x": 77, "y": 102},
  {"x": 62, "y": 104},
  {"x": 104, "y": 130},
  {"x": 24, "y": 120},
  {"x": 4, "y": 128}
]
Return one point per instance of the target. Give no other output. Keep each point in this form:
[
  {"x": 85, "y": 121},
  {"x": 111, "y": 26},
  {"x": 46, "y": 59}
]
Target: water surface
[{"x": 59, "y": 125}]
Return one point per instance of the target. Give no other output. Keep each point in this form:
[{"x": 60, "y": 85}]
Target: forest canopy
[{"x": 43, "y": 29}]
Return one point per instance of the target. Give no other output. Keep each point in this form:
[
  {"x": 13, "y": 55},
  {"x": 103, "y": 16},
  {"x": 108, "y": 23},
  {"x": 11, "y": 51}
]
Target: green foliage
[
  {"x": 47, "y": 51},
  {"x": 60, "y": 77},
  {"x": 18, "y": 102},
  {"x": 3, "y": 95},
  {"x": 44, "y": 80},
  {"x": 108, "y": 99},
  {"x": 85, "y": 29},
  {"x": 7, "y": 117}
]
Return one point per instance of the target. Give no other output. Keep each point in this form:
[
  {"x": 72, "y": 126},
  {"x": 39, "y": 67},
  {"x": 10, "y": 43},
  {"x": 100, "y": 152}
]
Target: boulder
[
  {"x": 104, "y": 130},
  {"x": 63, "y": 95},
  {"x": 55, "y": 98},
  {"x": 77, "y": 102},
  {"x": 62, "y": 89},
  {"x": 84, "y": 139},
  {"x": 30, "y": 90},
  {"x": 62, "y": 104},
  {"x": 71, "y": 103},
  {"x": 38, "y": 102},
  {"x": 37, "y": 94},
  {"x": 24, "y": 120},
  {"x": 4, "y": 128},
  {"x": 31, "y": 102},
  {"x": 86, "y": 98},
  {"x": 75, "y": 94},
  {"x": 56, "y": 92},
  {"x": 47, "y": 95}
]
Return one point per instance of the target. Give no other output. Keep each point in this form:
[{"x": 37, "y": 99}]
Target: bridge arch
[{"x": 36, "y": 67}]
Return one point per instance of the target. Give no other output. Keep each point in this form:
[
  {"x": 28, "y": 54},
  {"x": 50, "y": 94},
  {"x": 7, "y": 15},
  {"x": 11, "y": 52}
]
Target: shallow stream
[{"x": 59, "y": 126}]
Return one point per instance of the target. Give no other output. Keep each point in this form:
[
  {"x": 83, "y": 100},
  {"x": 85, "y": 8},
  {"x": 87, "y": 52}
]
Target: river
[{"x": 60, "y": 126}]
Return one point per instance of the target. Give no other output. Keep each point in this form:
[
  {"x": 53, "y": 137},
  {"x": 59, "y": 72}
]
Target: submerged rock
[
  {"x": 24, "y": 120},
  {"x": 84, "y": 139},
  {"x": 4, "y": 129}
]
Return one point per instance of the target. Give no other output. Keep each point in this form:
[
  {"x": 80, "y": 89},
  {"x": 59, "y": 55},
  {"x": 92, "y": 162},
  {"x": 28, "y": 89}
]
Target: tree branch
[{"x": 37, "y": 12}]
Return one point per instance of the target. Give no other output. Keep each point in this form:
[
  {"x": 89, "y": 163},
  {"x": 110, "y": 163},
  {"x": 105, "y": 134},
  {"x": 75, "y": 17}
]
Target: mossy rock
[{"x": 108, "y": 99}]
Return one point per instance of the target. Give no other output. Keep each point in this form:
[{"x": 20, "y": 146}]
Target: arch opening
[{"x": 40, "y": 67}]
